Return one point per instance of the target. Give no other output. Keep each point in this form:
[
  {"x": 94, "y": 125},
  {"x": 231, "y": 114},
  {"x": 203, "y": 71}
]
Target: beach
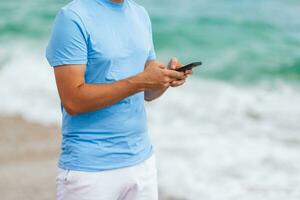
[
  {"x": 28, "y": 161},
  {"x": 28, "y": 156}
]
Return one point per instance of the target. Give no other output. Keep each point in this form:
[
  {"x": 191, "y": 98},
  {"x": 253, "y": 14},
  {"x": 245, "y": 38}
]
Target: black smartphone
[{"x": 189, "y": 66}]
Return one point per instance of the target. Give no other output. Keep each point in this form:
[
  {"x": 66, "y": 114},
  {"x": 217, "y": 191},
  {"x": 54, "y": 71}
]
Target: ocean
[{"x": 232, "y": 132}]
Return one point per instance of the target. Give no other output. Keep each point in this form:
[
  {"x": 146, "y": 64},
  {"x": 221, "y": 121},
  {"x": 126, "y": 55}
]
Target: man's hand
[
  {"x": 157, "y": 77},
  {"x": 174, "y": 64}
]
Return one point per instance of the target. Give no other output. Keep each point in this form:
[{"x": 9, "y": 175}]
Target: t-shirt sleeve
[
  {"x": 68, "y": 43},
  {"x": 152, "y": 54}
]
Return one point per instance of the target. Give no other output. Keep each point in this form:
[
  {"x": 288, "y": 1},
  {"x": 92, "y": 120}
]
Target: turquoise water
[{"x": 241, "y": 41}]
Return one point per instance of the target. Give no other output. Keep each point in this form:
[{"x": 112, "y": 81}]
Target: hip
[{"x": 127, "y": 183}]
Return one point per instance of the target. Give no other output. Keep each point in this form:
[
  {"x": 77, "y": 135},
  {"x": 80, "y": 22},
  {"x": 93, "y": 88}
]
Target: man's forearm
[
  {"x": 150, "y": 95},
  {"x": 91, "y": 97}
]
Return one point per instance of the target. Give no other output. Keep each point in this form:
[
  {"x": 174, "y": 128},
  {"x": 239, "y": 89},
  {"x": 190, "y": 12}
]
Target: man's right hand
[{"x": 157, "y": 77}]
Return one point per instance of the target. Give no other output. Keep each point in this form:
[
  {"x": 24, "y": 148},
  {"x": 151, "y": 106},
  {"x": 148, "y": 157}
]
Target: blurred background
[{"x": 232, "y": 132}]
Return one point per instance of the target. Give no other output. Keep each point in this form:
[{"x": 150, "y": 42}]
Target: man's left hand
[{"x": 174, "y": 64}]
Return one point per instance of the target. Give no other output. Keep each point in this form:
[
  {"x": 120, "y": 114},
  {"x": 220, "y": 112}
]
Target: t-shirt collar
[{"x": 112, "y": 4}]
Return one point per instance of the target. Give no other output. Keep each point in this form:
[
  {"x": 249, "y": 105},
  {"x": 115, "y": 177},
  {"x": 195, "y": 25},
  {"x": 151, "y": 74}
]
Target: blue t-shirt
[{"x": 114, "y": 40}]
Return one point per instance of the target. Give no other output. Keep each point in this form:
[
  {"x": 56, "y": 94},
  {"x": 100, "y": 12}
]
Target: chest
[{"x": 118, "y": 36}]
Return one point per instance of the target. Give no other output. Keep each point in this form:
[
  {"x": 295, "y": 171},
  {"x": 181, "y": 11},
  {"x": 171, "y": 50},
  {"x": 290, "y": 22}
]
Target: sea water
[{"x": 231, "y": 132}]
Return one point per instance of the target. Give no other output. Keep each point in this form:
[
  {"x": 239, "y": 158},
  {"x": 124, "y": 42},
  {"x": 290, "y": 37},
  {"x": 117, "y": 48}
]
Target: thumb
[{"x": 173, "y": 63}]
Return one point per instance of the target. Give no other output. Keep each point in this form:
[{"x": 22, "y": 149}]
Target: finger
[
  {"x": 188, "y": 72},
  {"x": 177, "y": 83},
  {"x": 173, "y": 63},
  {"x": 183, "y": 78},
  {"x": 180, "y": 82},
  {"x": 178, "y": 65},
  {"x": 162, "y": 66},
  {"x": 167, "y": 84},
  {"x": 174, "y": 74}
]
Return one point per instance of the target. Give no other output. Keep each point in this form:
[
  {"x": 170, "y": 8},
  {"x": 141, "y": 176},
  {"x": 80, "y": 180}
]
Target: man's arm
[{"x": 78, "y": 96}]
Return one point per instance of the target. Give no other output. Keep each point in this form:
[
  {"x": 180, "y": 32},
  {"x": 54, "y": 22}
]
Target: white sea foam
[
  {"x": 213, "y": 140},
  {"x": 219, "y": 141},
  {"x": 28, "y": 86}
]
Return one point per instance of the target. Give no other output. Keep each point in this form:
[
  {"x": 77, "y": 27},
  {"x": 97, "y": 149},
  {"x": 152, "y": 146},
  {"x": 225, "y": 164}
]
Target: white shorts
[{"x": 138, "y": 182}]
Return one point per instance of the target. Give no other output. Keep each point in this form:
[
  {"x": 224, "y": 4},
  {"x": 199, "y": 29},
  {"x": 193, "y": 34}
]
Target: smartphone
[{"x": 189, "y": 66}]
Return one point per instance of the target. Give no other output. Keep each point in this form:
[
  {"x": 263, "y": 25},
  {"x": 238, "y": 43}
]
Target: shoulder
[
  {"x": 134, "y": 3},
  {"x": 140, "y": 9},
  {"x": 73, "y": 16},
  {"x": 75, "y": 10}
]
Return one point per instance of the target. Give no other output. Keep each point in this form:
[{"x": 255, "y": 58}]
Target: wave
[
  {"x": 226, "y": 137},
  {"x": 236, "y": 41},
  {"x": 224, "y": 141},
  {"x": 27, "y": 84}
]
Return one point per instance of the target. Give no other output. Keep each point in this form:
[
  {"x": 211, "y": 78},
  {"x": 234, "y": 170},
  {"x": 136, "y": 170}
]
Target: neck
[{"x": 117, "y": 1}]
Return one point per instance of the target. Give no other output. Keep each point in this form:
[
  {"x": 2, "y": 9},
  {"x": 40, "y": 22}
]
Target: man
[{"x": 104, "y": 63}]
